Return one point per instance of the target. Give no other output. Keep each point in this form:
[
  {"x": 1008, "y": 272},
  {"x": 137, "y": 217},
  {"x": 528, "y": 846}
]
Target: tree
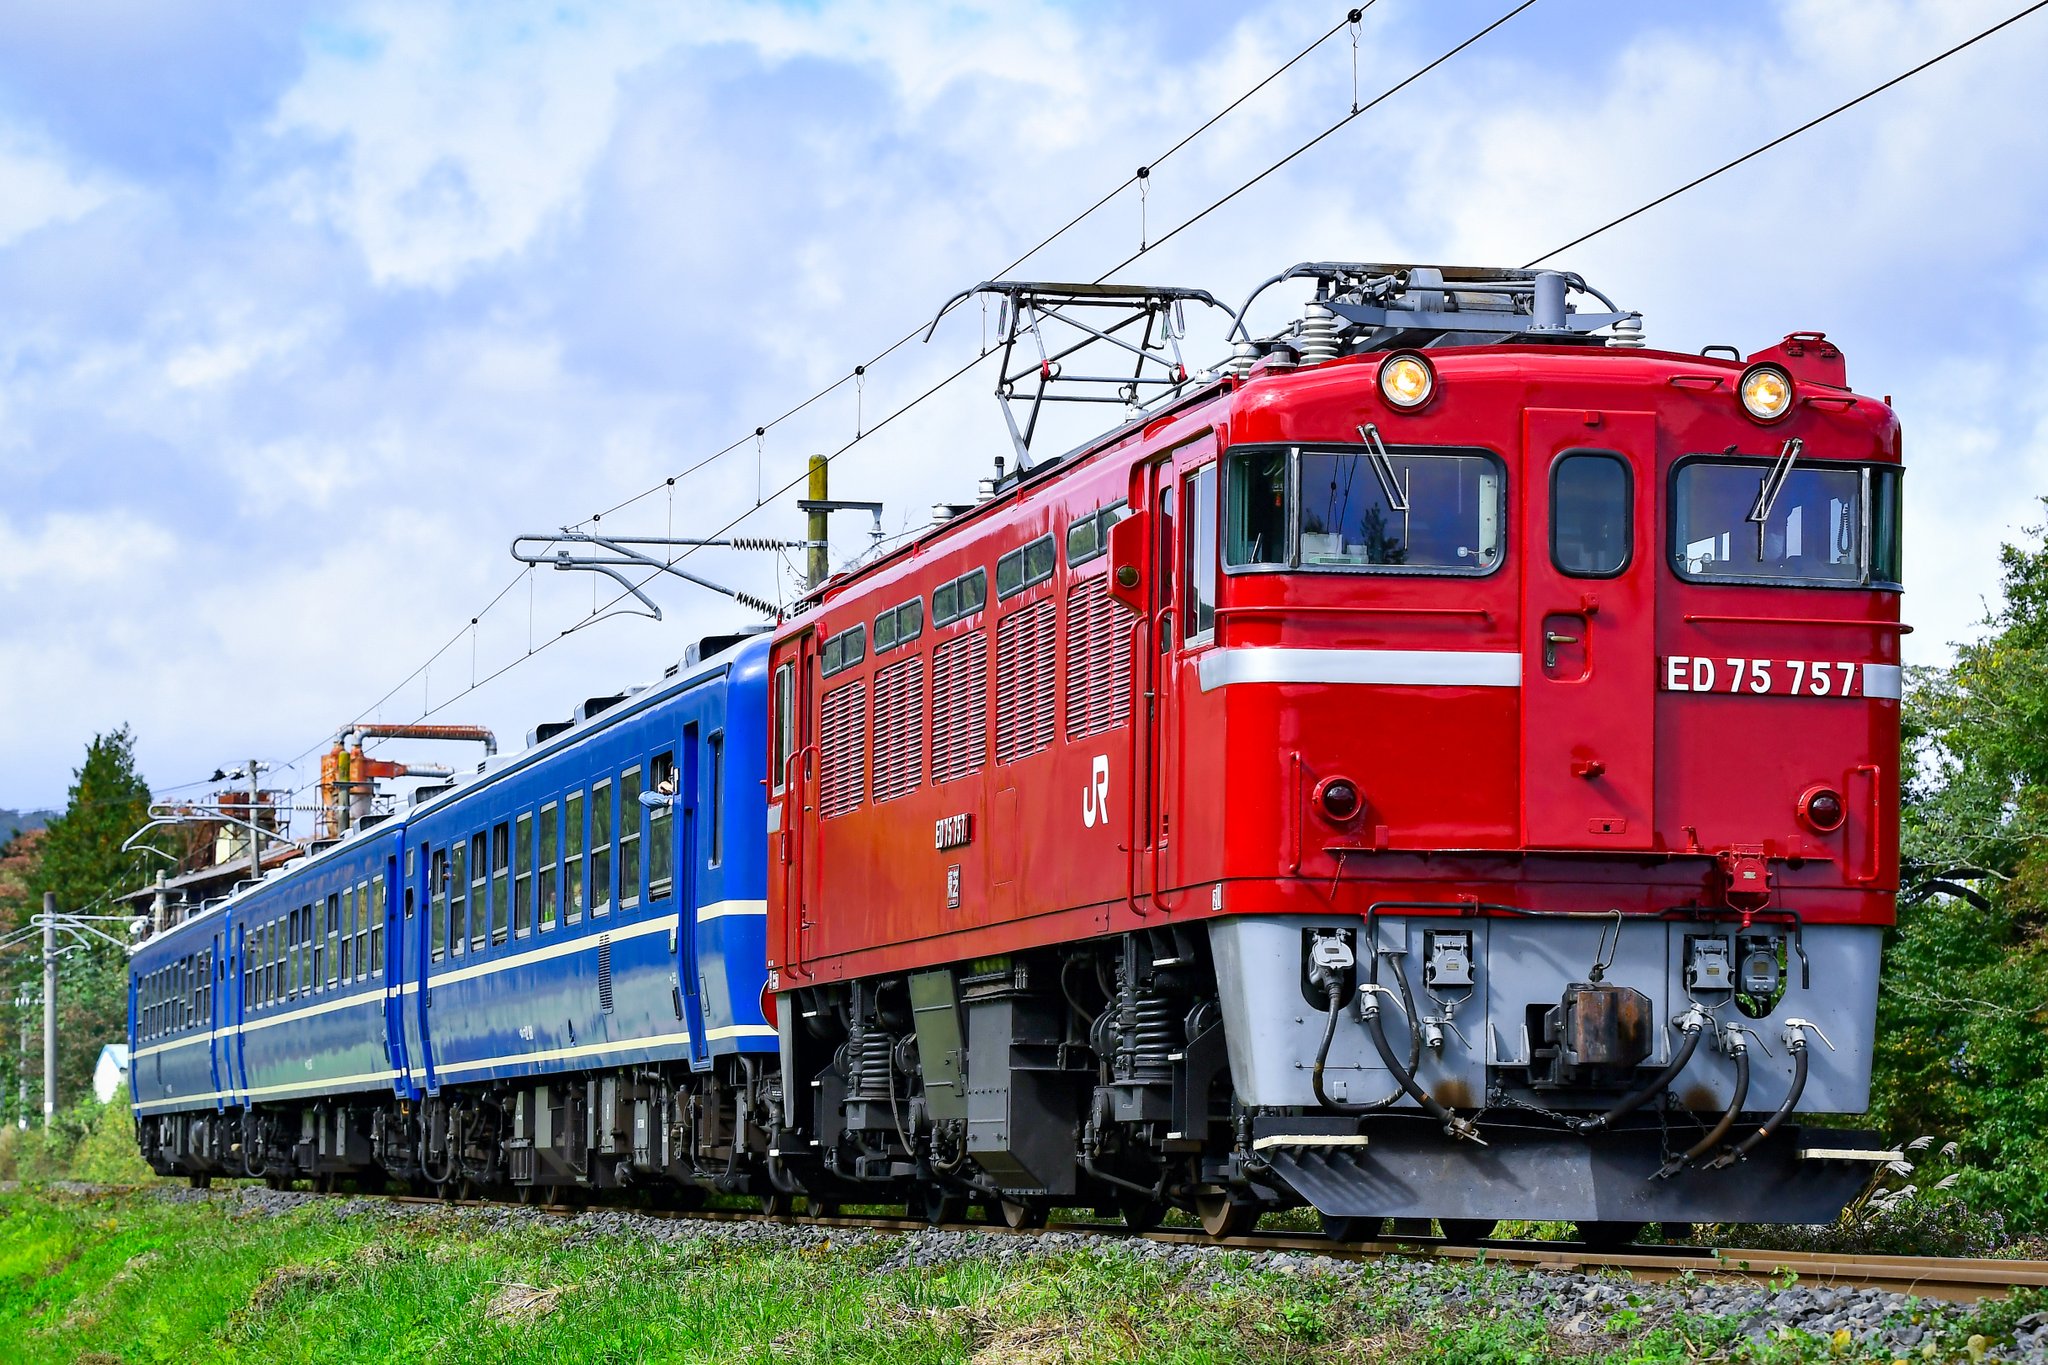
[
  {"x": 79, "y": 858},
  {"x": 1963, "y": 1009}
]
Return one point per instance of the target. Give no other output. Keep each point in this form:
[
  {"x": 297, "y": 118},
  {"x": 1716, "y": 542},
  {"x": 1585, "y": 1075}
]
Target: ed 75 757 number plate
[{"x": 1763, "y": 677}]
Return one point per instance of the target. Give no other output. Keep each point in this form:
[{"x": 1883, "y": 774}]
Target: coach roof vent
[{"x": 597, "y": 706}]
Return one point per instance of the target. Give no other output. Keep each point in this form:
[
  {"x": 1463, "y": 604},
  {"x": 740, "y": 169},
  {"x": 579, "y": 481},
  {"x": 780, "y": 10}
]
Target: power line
[
  {"x": 1784, "y": 138},
  {"x": 1351, "y": 16}
]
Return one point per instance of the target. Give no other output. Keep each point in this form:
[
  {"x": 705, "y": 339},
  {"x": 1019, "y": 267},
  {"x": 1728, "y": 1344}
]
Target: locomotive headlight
[
  {"x": 1407, "y": 381},
  {"x": 1767, "y": 393},
  {"x": 1821, "y": 809},
  {"x": 1339, "y": 799}
]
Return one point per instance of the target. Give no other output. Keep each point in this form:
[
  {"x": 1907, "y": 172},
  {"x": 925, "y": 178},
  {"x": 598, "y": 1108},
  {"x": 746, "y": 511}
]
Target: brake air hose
[
  {"x": 1335, "y": 991},
  {"x": 1740, "y": 1047},
  {"x": 1784, "y": 1111},
  {"x": 1692, "y": 1024},
  {"x": 1369, "y": 1010}
]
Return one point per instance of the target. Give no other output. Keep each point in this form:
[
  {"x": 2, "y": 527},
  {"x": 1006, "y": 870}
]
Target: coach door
[
  {"x": 1589, "y": 547},
  {"x": 216, "y": 1005},
  {"x": 396, "y": 890},
  {"x": 689, "y": 962},
  {"x": 792, "y": 773}
]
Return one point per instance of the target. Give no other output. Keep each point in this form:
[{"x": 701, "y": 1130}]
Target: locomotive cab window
[
  {"x": 1404, "y": 510},
  {"x": 1591, "y": 503},
  {"x": 1785, "y": 521}
]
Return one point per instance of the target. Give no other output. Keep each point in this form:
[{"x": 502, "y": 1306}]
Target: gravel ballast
[{"x": 1875, "y": 1321}]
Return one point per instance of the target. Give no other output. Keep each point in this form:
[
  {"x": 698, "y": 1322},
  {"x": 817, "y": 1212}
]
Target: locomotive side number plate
[{"x": 1763, "y": 677}]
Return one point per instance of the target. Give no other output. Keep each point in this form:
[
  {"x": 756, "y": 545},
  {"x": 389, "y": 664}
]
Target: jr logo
[{"x": 1095, "y": 799}]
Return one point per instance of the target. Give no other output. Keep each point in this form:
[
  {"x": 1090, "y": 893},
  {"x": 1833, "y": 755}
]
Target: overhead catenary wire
[
  {"x": 1784, "y": 138},
  {"x": 1350, "y": 17}
]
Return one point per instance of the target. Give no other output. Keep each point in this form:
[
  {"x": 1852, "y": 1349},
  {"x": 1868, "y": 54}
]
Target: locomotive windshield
[
  {"x": 1401, "y": 511},
  {"x": 1809, "y": 524}
]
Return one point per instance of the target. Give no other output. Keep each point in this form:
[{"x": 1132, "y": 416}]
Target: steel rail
[{"x": 1957, "y": 1279}]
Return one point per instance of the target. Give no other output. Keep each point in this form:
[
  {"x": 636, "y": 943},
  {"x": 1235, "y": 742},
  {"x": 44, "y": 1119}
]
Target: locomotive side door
[
  {"x": 791, "y": 770},
  {"x": 1589, "y": 547}
]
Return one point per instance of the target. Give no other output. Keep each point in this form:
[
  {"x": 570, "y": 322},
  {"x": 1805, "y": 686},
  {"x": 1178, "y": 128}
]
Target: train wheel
[
  {"x": 1464, "y": 1231},
  {"x": 323, "y": 1183},
  {"x": 1140, "y": 1213},
  {"x": 199, "y": 1182},
  {"x": 936, "y": 1205},
  {"x": 1224, "y": 1215},
  {"x": 1350, "y": 1229},
  {"x": 821, "y": 1208},
  {"x": 276, "y": 1182},
  {"x": 1018, "y": 1214},
  {"x": 776, "y": 1204},
  {"x": 526, "y": 1194},
  {"x": 1607, "y": 1236}
]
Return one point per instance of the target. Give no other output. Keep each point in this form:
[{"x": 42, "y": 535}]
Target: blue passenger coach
[{"x": 549, "y": 973}]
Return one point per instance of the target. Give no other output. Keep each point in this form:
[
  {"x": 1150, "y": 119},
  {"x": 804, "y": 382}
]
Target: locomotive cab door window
[
  {"x": 785, "y": 721},
  {"x": 1589, "y": 652},
  {"x": 1591, "y": 501}
]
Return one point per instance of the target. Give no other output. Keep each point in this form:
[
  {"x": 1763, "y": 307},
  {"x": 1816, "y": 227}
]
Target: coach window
[
  {"x": 501, "y": 881},
  {"x": 1591, "y": 505},
  {"x": 458, "y": 897},
  {"x": 550, "y": 869},
  {"x": 1199, "y": 540},
  {"x": 437, "y": 904},
  {"x": 522, "y": 877},
  {"x": 715, "y": 748},
  {"x": 304, "y": 975},
  {"x": 572, "y": 861},
  {"x": 364, "y": 914},
  {"x": 332, "y": 928},
  {"x": 348, "y": 934},
  {"x": 377, "y": 924},
  {"x": 661, "y": 836},
  {"x": 291, "y": 954},
  {"x": 601, "y": 848},
  {"x": 632, "y": 816},
  {"x": 479, "y": 888},
  {"x": 785, "y": 723}
]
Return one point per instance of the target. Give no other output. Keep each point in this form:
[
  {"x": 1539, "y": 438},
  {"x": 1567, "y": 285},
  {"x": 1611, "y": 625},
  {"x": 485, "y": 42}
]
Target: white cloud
[{"x": 39, "y": 188}]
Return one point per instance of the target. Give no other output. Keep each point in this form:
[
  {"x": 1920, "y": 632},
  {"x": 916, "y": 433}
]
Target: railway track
[{"x": 1956, "y": 1279}]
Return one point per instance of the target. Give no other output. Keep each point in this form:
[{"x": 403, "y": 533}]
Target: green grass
[{"x": 134, "y": 1277}]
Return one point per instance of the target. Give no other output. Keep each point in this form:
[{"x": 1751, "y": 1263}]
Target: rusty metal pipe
[{"x": 354, "y": 735}]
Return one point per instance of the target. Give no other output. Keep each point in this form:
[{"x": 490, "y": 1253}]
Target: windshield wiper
[
  {"x": 1773, "y": 484},
  {"x": 1383, "y": 468}
]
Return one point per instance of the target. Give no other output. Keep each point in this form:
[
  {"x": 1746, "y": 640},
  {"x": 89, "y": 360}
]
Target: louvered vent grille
[
  {"x": 1098, "y": 660},
  {"x": 959, "y": 707},
  {"x": 1024, "y": 650},
  {"x": 604, "y": 972},
  {"x": 842, "y": 749},
  {"x": 899, "y": 729}
]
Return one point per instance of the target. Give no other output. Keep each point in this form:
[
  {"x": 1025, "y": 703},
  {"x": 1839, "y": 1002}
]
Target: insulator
[
  {"x": 757, "y": 543},
  {"x": 1628, "y": 335},
  {"x": 1318, "y": 339},
  {"x": 1243, "y": 356}
]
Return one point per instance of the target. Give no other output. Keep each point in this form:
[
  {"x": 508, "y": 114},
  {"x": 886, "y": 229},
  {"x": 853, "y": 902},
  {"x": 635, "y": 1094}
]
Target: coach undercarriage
[{"x": 1362, "y": 1069}]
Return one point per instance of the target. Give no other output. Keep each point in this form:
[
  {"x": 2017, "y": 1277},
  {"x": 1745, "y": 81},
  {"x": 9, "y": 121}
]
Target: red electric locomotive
[{"x": 1443, "y": 765}]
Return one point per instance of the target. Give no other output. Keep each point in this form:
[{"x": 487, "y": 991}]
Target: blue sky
[{"x": 306, "y": 309}]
